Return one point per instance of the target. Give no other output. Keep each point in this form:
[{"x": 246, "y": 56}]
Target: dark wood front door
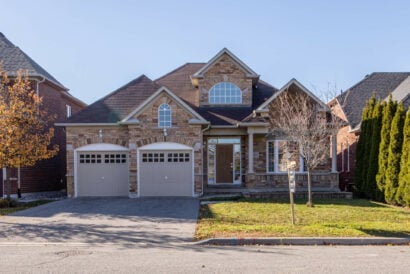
[{"x": 224, "y": 158}]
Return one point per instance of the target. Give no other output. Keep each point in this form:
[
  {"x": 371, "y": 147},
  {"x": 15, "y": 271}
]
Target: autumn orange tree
[{"x": 24, "y": 132}]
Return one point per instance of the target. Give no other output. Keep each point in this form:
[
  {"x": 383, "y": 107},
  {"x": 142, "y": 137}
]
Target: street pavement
[
  {"x": 185, "y": 258},
  {"x": 109, "y": 235}
]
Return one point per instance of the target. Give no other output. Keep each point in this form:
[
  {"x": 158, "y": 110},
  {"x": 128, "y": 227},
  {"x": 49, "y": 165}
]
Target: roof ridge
[
  {"x": 367, "y": 77},
  {"x": 134, "y": 81},
  {"x": 176, "y": 69}
]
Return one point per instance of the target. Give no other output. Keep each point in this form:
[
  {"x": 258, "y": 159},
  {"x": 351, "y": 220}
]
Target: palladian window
[
  {"x": 225, "y": 93},
  {"x": 164, "y": 116}
]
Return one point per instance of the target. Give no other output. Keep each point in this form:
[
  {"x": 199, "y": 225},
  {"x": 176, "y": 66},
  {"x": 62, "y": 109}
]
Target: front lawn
[
  {"x": 17, "y": 206},
  {"x": 336, "y": 218}
]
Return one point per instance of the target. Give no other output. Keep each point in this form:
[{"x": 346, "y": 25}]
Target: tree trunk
[
  {"x": 8, "y": 183},
  {"x": 309, "y": 203}
]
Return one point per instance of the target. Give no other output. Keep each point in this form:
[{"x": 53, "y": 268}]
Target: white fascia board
[
  {"x": 131, "y": 122},
  {"x": 228, "y": 126},
  {"x": 253, "y": 124},
  {"x": 155, "y": 95},
  {"x": 197, "y": 122}
]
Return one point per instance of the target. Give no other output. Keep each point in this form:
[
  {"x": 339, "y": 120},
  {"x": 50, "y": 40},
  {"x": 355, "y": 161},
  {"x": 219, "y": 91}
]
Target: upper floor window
[
  {"x": 225, "y": 93},
  {"x": 68, "y": 110},
  {"x": 164, "y": 116}
]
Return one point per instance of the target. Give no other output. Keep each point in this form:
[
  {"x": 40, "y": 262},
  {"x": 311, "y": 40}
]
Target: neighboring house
[
  {"x": 199, "y": 127},
  {"x": 349, "y": 106},
  {"x": 46, "y": 175}
]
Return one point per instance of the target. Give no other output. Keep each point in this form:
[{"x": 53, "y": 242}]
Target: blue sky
[{"x": 94, "y": 47}]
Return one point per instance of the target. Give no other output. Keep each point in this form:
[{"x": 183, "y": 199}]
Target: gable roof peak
[
  {"x": 4, "y": 42},
  {"x": 249, "y": 72},
  {"x": 295, "y": 82},
  {"x": 13, "y": 59}
]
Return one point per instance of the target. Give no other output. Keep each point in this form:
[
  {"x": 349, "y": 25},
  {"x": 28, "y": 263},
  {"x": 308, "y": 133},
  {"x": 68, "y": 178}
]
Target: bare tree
[{"x": 307, "y": 125}]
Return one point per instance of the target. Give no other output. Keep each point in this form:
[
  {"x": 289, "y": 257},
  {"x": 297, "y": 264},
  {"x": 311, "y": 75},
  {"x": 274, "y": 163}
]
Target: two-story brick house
[
  {"x": 202, "y": 125},
  {"x": 47, "y": 175}
]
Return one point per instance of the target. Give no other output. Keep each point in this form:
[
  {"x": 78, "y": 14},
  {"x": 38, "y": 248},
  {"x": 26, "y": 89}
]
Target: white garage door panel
[
  {"x": 166, "y": 173},
  {"x": 102, "y": 174}
]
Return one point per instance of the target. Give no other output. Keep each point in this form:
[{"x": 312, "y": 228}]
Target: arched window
[
  {"x": 225, "y": 93},
  {"x": 164, "y": 116}
]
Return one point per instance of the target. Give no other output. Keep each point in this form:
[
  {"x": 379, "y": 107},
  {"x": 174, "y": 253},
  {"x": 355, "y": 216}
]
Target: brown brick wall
[
  {"x": 346, "y": 151},
  {"x": 225, "y": 70},
  {"x": 49, "y": 175}
]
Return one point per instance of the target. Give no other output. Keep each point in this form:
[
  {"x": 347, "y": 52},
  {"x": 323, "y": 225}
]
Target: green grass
[
  {"x": 21, "y": 206},
  {"x": 336, "y": 218}
]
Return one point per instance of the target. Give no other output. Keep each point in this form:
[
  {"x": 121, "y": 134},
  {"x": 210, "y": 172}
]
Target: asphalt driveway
[{"x": 104, "y": 220}]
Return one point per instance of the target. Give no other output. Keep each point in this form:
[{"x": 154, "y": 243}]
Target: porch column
[
  {"x": 250, "y": 154},
  {"x": 334, "y": 153}
]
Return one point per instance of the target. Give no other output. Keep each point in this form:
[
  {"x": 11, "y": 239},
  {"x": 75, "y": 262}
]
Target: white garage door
[
  {"x": 102, "y": 173},
  {"x": 166, "y": 173}
]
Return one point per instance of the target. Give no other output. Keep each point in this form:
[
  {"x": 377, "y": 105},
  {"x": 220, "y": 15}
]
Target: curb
[{"x": 305, "y": 241}]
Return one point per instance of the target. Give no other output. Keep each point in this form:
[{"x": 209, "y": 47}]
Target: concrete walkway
[{"x": 104, "y": 220}]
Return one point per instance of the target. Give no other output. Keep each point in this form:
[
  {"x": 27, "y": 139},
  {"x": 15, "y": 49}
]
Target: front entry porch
[{"x": 224, "y": 161}]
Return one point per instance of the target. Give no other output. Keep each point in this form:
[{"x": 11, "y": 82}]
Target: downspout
[
  {"x": 202, "y": 156},
  {"x": 38, "y": 85}
]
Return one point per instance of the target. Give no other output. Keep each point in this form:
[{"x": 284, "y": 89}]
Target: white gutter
[
  {"x": 253, "y": 124},
  {"x": 85, "y": 125},
  {"x": 233, "y": 126}
]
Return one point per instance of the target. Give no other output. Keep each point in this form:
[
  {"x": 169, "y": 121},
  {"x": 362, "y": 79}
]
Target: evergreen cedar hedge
[{"x": 383, "y": 153}]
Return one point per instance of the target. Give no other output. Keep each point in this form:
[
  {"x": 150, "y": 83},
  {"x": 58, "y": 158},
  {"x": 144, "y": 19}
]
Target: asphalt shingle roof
[
  {"x": 353, "y": 100},
  {"x": 117, "y": 105},
  {"x": 179, "y": 82},
  {"x": 12, "y": 59}
]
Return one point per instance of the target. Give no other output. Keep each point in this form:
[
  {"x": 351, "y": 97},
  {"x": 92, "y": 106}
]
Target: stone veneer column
[
  {"x": 250, "y": 153},
  {"x": 334, "y": 153}
]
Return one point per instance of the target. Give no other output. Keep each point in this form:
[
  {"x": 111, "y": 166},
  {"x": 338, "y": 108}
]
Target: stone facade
[
  {"x": 225, "y": 70},
  {"x": 137, "y": 135},
  {"x": 189, "y": 129}
]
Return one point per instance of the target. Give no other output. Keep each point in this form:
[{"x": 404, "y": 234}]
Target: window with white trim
[
  {"x": 225, "y": 93},
  {"x": 164, "y": 116},
  {"x": 279, "y": 152}
]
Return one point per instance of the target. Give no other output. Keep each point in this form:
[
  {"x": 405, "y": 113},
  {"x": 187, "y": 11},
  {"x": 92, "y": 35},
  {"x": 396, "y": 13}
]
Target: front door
[{"x": 224, "y": 166}]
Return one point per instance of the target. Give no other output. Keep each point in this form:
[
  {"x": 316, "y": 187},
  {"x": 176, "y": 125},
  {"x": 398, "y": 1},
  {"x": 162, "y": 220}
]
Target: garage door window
[
  {"x": 90, "y": 159},
  {"x": 178, "y": 157},
  {"x": 115, "y": 158},
  {"x": 153, "y": 157},
  {"x": 94, "y": 158}
]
